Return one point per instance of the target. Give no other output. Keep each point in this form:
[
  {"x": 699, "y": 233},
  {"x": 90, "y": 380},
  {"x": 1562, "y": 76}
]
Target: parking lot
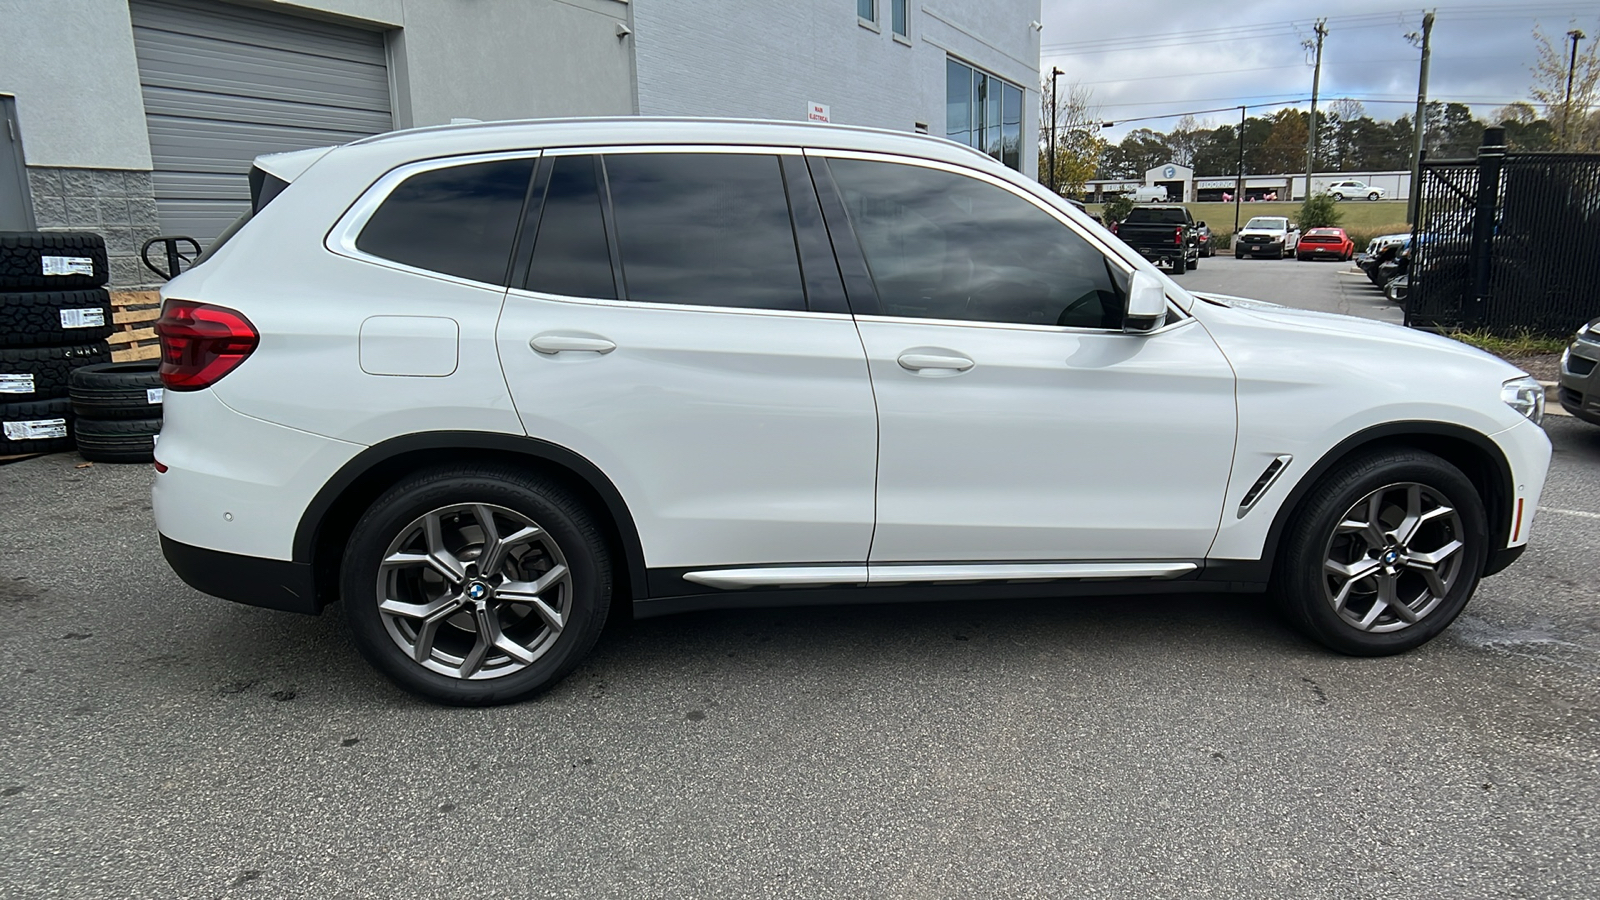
[{"x": 159, "y": 743}]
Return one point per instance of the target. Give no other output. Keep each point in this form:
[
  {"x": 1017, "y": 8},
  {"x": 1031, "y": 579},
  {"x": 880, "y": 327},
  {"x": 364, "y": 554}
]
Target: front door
[{"x": 1016, "y": 420}]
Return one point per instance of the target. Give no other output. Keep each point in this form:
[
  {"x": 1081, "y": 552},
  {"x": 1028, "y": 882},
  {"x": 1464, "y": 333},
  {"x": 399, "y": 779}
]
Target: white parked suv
[
  {"x": 483, "y": 383},
  {"x": 1339, "y": 190}
]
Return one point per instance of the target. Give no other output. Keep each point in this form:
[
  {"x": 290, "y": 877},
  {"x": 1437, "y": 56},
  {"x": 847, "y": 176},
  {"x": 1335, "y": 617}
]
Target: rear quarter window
[{"x": 457, "y": 220}]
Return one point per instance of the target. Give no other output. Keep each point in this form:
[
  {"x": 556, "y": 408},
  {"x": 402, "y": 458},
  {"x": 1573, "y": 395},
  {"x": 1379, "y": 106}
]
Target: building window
[
  {"x": 984, "y": 112},
  {"x": 867, "y": 10},
  {"x": 899, "y": 16}
]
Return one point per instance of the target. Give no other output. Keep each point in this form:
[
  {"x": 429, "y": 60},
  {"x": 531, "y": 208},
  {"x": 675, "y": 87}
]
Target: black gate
[{"x": 1507, "y": 242}]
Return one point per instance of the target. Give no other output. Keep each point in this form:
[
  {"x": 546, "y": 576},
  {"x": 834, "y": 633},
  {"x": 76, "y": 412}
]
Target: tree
[
  {"x": 1185, "y": 140},
  {"x": 1524, "y": 129},
  {"x": 1078, "y": 142},
  {"x": 1576, "y": 124},
  {"x": 1140, "y": 151},
  {"x": 1285, "y": 149},
  {"x": 1319, "y": 211}
]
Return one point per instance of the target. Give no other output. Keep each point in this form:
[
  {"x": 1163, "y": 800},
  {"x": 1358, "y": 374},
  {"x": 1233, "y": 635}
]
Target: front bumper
[
  {"x": 1243, "y": 248},
  {"x": 1579, "y": 391}
]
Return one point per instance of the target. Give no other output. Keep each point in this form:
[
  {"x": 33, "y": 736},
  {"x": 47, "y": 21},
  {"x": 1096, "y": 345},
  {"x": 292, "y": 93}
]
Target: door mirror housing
[
  {"x": 1147, "y": 304},
  {"x": 1200, "y": 224}
]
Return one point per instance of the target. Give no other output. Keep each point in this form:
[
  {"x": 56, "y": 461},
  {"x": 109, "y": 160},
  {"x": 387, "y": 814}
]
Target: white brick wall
[{"x": 768, "y": 58}]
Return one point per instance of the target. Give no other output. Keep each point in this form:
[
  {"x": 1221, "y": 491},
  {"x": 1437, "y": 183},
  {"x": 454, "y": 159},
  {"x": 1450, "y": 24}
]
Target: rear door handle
[
  {"x": 556, "y": 343},
  {"x": 916, "y": 362}
]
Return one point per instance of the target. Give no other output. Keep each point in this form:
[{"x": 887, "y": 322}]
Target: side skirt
[{"x": 671, "y": 592}]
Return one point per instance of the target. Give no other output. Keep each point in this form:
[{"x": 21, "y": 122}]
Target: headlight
[
  {"x": 1526, "y": 396},
  {"x": 1590, "y": 330}
]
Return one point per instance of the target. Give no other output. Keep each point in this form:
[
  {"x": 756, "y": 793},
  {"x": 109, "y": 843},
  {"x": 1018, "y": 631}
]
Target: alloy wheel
[
  {"x": 1393, "y": 557},
  {"x": 474, "y": 591}
]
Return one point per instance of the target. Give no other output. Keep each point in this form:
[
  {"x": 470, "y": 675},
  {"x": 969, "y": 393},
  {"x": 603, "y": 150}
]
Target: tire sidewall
[
  {"x": 1300, "y": 585},
  {"x": 545, "y": 503}
]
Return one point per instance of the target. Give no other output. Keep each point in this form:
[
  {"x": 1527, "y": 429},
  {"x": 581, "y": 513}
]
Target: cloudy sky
[{"x": 1146, "y": 58}]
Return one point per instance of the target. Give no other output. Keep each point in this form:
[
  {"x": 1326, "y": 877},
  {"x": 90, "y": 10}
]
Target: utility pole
[
  {"x": 1572, "y": 65},
  {"x": 1311, "y": 129},
  {"x": 1418, "y": 125},
  {"x": 1055, "y": 72},
  {"x": 1238, "y": 184}
]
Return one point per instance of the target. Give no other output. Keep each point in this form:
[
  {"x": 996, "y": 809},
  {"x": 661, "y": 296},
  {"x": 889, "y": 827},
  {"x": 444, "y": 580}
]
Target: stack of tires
[
  {"x": 55, "y": 315},
  {"x": 118, "y": 409}
]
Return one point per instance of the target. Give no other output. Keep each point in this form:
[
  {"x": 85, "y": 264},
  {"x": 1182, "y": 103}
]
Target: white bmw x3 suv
[{"x": 484, "y": 383}]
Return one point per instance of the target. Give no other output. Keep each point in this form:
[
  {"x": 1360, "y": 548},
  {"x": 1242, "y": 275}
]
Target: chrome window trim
[
  {"x": 1018, "y": 326},
  {"x": 684, "y": 307},
  {"x": 935, "y": 573},
  {"x": 1094, "y": 241},
  {"x": 341, "y": 238}
]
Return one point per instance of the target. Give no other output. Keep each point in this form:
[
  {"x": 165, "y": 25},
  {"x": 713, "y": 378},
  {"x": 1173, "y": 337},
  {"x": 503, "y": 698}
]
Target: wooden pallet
[{"x": 134, "y": 313}]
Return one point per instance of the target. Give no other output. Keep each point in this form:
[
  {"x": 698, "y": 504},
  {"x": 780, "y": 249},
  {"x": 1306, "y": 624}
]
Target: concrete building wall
[
  {"x": 70, "y": 64},
  {"x": 770, "y": 58}
]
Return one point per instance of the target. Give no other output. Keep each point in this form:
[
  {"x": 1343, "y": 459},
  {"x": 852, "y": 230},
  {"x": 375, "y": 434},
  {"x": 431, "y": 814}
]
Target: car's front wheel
[
  {"x": 1373, "y": 196},
  {"x": 474, "y": 585},
  {"x": 1384, "y": 554}
]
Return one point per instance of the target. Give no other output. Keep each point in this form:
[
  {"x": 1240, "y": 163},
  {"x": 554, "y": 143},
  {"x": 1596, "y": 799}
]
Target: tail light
[
  {"x": 1177, "y": 235},
  {"x": 200, "y": 343},
  {"x": 1113, "y": 228}
]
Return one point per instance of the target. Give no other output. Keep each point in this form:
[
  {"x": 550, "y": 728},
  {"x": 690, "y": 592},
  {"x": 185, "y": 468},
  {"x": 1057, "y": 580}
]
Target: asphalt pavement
[{"x": 158, "y": 743}]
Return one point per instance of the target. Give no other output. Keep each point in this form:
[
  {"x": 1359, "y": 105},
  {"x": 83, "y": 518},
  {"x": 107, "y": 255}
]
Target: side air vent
[{"x": 1267, "y": 477}]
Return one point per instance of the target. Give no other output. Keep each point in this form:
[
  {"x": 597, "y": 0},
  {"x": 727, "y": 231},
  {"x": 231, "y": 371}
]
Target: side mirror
[
  {"x": 1199, "y": 224},
  {"x": 1147, "y": 304},
  {"x": 1294, "y": 227}
]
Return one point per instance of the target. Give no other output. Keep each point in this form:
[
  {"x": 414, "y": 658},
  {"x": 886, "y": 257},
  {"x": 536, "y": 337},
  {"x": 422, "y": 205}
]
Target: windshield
[
  {"x": 1265, "y": 223},
  {"x": 1158, "y": 216}
]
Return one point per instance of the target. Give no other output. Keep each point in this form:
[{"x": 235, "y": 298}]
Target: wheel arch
[
  {"x": 328, "y": 520},
  {"x": 1478, "y": 457}
]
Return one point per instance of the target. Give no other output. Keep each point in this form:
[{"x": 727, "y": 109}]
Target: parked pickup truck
[{"x": 1162, "y": 234}]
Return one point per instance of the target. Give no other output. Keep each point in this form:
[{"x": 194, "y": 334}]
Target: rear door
[{"x": 674, "y": 322}]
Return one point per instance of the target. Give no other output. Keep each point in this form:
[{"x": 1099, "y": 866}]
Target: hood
[
  {"x": 1352, "y": 327},
  {"x": 1269, "y": 232}
]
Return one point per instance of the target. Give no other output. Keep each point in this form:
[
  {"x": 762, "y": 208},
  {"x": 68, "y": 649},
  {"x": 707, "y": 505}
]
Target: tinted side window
[
  {"x": 945, "y": 246},
  {"x": 711, "y": 229},
  {"x": 459, "y": 220},
  {"x": 570, "y": 253}
]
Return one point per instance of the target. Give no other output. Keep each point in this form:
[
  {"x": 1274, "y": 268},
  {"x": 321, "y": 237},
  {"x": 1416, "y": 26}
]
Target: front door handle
[
  {"x": 917, "y": 361},
  {"x": 556, "y": 343}
]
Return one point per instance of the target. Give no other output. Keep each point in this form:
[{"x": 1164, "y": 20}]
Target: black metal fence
[{"x": 1507, "y": 242}]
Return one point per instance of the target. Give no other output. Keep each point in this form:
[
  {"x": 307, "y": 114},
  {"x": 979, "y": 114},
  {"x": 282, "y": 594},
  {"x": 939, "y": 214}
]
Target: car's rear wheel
[
  {"x": 1338, "y": 196},
  {"x": 476, "y": 585},
  {"x": 1384, "y": 554},
  {"x": 1178, "y": 266}
]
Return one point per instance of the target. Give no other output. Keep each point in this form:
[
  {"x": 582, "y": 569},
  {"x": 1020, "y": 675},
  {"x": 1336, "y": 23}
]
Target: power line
[{"x": 1292, "y": 28}]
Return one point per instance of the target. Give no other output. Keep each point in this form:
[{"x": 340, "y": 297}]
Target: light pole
[
  {"x": 1055, "y": 72},
  {"x": 1572, "y": 66},
  {"x": 1419, "y": 125}
]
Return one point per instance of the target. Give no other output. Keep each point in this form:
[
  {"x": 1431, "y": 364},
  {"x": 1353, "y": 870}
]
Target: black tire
[
  {"x": 46, "y": 418},
  {"x": 117, "y": 440},
  {"x": 126, "y": 390},
  {"x": 1195, "y": 263},
  {"x": 22, "y": 255},
  {"x": 1337, "y": 196},
  {"x": 573, "y": 533},
  {"x": 1178, "y": 266},
  {"x": 47, "y": 369},
  {"x": 1372, "y": 196},
  {"x": 1300, "y": 583},
  {"x": 45, "y": 318}
]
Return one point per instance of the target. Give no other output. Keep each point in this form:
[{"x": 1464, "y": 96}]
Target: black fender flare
[
  {"x": 1420, "y": 434},
  {"x": 437, "y": 445}
]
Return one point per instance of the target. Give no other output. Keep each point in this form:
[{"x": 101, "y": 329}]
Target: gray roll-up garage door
[{"x": 224, "y": 84}]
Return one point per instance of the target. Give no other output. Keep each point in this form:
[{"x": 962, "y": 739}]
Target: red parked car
[{"x": 1325, "y": 243}]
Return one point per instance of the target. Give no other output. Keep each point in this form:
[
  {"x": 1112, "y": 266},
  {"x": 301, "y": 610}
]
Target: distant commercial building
[
  {"x": 139, "y": 117},
  {"x": 1183, "y": 186}
]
